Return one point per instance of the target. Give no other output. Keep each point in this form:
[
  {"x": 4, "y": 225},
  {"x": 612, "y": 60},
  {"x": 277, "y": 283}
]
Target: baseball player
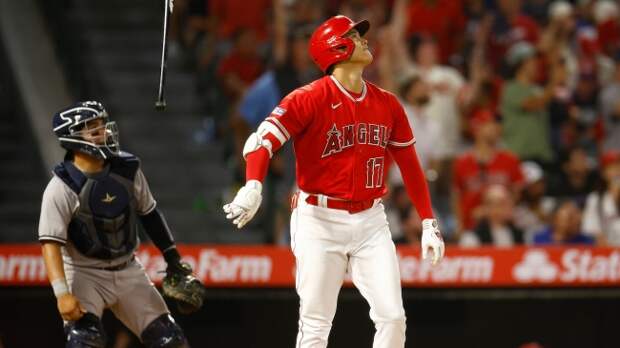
[
  {"x": 341, "y": 128},
  {"x": 88, "y": 232}
]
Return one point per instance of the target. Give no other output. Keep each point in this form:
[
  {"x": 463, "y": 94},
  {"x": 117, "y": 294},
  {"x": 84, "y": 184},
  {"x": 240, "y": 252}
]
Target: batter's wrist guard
[{"x": 255, "y": 184}]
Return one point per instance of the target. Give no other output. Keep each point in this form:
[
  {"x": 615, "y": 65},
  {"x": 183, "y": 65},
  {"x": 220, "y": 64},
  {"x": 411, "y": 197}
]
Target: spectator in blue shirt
[
  {"x": 565, "y": 227},
  {"x": 294, "y": 70}
]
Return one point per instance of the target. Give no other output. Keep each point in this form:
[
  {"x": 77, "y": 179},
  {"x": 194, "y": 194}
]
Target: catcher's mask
[{"x": 86, "y": 127}]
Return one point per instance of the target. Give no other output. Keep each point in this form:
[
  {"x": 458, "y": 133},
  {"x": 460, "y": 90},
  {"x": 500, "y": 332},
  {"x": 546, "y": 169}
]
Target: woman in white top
[{"x": 601, "y": 217}]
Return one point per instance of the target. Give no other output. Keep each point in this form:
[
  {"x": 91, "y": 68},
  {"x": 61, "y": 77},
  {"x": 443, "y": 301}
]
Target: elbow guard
[
  {"x": 260, "y": 138},
  {"x": 254, "y": 143}
]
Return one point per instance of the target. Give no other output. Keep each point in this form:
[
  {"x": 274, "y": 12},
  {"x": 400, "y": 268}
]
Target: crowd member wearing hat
[
  {"x": 601, "y": 218},
  {"x": 524, "y": 106},
  {"x": 606, "y": 14},
  {"x": 557, "y": 39},
  {"x": 485, "y": 164},
  {"x": 535, "y": 208}
]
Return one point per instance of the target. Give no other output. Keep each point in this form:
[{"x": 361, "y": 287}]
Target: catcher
[{"x": 88, "y": 232}]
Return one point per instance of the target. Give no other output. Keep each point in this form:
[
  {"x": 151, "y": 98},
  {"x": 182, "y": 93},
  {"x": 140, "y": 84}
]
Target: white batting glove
[
  {"x": 432, "y": 241},
  {"x": 245, "y": 205},
  {"x": 243, "y": 208}
]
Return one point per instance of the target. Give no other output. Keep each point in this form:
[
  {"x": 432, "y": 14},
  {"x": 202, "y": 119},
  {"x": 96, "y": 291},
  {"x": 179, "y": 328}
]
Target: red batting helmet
[{"x": 327, "y": 41}]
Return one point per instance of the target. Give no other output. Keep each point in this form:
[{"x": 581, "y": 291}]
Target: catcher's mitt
[{"x": 182, "y": 286}]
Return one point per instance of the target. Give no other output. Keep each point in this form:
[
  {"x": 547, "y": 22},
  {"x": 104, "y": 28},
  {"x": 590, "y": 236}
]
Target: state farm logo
[
  {"x": 463, "y": 268},
  {"x": 569, "y": 266},
  {"x": 535, "y": 266},
  {"x": 214, "y": 267},
  {"x": 22, "y": 267}
]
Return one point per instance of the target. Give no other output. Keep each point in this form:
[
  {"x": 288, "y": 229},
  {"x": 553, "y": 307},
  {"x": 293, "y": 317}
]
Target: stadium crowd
[{"x": 515, "y": 105}]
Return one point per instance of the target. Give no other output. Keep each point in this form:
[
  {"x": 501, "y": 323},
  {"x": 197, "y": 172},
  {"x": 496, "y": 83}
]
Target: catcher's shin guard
[
  {"x": 163, "y": 332},
  {"x": 85, "y": 333}
]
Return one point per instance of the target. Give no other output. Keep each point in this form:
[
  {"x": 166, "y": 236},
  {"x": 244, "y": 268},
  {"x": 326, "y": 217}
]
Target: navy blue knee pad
[
  {"x": 87, "y": 332},
  {"x": 163, "y": 332}
]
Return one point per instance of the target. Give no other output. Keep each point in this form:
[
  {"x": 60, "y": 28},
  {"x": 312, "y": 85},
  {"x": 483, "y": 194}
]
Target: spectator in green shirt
[{"x": 524, "y": 106}]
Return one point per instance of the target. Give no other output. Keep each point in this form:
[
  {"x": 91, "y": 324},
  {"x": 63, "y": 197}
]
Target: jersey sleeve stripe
[
  {"x": 280, "y": 126},
  {"x": 398, "y": 144},
  {"x": 273, "y": 129},
  {"x": 52, "y": 238}
]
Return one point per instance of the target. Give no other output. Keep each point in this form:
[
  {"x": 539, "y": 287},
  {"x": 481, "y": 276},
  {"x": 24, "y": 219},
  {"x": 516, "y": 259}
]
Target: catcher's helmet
[
  {"x": 327, "y": 41},
  {"x": 75, "y": 130}
]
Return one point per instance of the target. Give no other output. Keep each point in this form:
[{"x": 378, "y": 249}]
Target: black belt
[{"x": 119, "y": 267}]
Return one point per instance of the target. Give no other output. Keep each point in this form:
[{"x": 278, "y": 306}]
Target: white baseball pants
[{"x": 328, "y": 241}]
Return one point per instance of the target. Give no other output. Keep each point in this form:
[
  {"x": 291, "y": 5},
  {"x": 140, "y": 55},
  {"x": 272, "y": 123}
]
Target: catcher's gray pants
[{"x": 128, "y": 293}]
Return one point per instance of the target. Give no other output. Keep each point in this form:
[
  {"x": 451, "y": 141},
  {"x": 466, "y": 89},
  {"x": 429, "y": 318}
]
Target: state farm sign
[
  {"x": 574, "y": 266},
  {"x": 266, "y": 266},
  {"x": 463, "y": 268},
  {"x": 214, "y": 267}
]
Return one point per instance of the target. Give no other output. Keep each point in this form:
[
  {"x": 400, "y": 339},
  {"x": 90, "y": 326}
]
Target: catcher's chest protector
[{"x": 104, "y": 226}]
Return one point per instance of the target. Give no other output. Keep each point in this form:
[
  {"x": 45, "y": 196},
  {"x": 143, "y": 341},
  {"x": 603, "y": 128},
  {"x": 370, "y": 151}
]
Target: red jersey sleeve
[
  {"x": 402, "y": 134},
  {"x": 291, "y": 116}
]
